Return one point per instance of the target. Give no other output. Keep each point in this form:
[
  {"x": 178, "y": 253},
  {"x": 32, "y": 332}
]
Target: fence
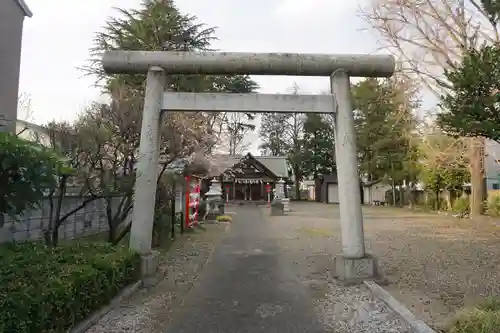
[{"x": 88, "y": 221}]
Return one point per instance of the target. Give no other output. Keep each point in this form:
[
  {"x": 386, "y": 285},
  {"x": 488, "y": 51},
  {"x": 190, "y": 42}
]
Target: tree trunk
[
  {"x": 476, "y": 151},
  {"x": 437, "y": 200},
  {"x": 57, "y": 217},
  {"x": 411, "y": 195},
  {"x": 401, "y": 196},
  {"x": 124, "y": 233},
  {"x": 298, "y": 177},
  {"x": 297, "y": 191},
  {"x": 393, "y": 185},
  {"x": 447, "y": 198},
  {"x": 112, "y": 233}
]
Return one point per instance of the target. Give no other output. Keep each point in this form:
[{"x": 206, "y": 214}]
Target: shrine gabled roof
[
  {"x": 276, "y": 164},
  {"x": 217, "y": 164}
]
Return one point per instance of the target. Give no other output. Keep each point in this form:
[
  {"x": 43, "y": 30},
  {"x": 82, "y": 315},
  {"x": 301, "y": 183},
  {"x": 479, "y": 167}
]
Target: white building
[
  {"x": 32, "y": 132},
  {"x": 492, "y": 165}
]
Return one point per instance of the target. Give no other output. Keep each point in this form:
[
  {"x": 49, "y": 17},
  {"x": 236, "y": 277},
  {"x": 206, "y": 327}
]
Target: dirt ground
[{"x": 435, "y": 264}]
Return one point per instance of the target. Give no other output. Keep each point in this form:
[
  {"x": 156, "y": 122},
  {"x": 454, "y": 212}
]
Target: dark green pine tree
[
  {"x": 155, "y": 26},
  {"x": 319, "y": 149}
]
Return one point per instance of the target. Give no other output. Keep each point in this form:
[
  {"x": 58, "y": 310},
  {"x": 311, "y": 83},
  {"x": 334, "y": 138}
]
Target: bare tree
[
  {"x": 24, "y": 107},
  {"x": 112, "y": 146},
  {"x": 283, "y": 134},
  {"x": 65, "y": 142},
  {"x": 428, "y": 36},
  {"x": 237, "y": 127},
  {"x": 24, "y": 110}
]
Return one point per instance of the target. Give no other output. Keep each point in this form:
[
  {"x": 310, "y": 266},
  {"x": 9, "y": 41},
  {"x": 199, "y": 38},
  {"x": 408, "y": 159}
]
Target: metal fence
[{"x": 88, "y": 221}]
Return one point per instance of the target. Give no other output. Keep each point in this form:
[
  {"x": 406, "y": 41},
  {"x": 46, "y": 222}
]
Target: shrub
[
  {"x": 46, "y": 289},
  {"x": 461, "y": 205},
  {"x": 27, "y": 171},
  {"x": 493, "y": 204},
  {"x": 224, "y": 218}
]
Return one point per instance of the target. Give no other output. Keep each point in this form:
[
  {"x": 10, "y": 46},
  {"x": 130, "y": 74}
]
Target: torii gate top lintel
[{"x": 292, "y": 64}]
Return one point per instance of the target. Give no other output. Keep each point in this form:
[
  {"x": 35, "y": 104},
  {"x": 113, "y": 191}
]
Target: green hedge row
[{"x": 46, "y": 289}]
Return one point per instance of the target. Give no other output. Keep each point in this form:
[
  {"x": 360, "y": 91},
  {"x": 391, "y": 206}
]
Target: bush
[
  {"x": 224, "y": 218},
  {"x": 461, "y": 205},
  {"x": 493, "y": 204},
  {"x": 45, "y": 289},
  {"x": 27, "y": 171},
  {"x": 485, "y": 318}
]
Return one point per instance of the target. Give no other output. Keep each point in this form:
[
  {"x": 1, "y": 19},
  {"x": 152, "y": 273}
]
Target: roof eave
[{"x": 25, "y": 8}]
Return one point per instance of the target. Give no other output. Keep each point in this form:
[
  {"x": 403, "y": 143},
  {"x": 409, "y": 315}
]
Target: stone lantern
[
  {"x": 215, "y": 204},
  {"x": 277, "y": 207},
  {"x": 280, "y": 190}
]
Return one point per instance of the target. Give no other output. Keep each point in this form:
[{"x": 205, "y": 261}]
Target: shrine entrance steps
[{"x": 246, "y": 203}]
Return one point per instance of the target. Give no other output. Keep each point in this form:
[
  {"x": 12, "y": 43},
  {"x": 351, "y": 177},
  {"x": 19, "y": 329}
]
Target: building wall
[
  {"x": 32, "y": 132},
  {"x": 376, "y": 192},
  {"x": 492, "y": 165},
  {"x": 11, "y": 30},
  {"x": 321, "y": 186}
]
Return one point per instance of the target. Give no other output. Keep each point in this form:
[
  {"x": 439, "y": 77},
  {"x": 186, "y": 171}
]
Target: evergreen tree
[
  {"x": 385, "y": 124},
  {"x": 319, "y": 149},
  {"x": 156, "y": 26}
]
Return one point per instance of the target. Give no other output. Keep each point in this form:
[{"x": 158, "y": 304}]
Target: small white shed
[{"x": 374, "y": 192}]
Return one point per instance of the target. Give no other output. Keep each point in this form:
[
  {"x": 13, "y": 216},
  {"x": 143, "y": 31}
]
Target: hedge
[{"x": 46, "y": 289}]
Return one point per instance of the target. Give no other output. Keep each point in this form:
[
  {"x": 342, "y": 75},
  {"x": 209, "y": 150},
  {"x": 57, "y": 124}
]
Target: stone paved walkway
[{"x": 248, "y": 286}]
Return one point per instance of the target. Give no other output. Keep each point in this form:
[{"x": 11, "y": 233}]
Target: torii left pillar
[{"x": 141, "y": 233}]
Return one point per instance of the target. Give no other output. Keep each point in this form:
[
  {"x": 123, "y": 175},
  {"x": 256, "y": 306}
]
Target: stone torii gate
[{"x": 354, "y": 264}]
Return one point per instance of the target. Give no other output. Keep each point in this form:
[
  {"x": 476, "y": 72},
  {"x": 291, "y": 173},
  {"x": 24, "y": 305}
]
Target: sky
[{"x": 57, "y": 38}]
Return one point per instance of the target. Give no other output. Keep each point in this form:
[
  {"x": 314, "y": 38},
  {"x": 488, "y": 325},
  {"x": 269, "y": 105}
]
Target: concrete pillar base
[
  {"x": 150, "y": 264},
  {"x": 350, "y": 271}
]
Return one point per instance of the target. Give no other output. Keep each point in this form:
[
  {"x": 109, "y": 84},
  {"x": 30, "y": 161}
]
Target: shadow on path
[{"x": 248, "y": 286}]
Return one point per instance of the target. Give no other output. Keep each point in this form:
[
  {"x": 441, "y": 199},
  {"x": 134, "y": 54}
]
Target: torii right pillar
[{"x": 353, "y": 265}]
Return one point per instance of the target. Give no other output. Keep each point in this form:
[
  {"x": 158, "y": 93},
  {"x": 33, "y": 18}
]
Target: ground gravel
[
  {"x": 354, "y": 309},
  {"x": 150, "y": 311},
  {"x": 436, "y": 264},
  {"x": 342, "y": 309}
]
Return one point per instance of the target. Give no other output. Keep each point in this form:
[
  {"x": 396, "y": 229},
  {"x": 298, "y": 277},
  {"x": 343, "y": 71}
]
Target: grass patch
[
  {"x": 224, "y": 218},
  {"x": 484, "y": 318},
  {"x": 45, "y": 289}
]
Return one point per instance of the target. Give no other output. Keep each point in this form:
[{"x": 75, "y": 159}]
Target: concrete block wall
[{"x": 86, "y": 222}]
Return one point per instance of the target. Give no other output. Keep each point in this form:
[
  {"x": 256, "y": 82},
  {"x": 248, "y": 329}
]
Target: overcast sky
[{"x": 57, "y": 38}]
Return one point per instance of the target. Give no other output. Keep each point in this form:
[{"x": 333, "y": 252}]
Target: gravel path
[
  {"x": 150, "y": 311},
  {"x": 340, "y": 308},
  {"x": 302, "y": 265}
]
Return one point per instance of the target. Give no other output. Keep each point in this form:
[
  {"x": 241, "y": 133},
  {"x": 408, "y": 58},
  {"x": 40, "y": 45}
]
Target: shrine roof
[
  {"x": 276, "y": 164},
  {"x": 217, "y": 164}
]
